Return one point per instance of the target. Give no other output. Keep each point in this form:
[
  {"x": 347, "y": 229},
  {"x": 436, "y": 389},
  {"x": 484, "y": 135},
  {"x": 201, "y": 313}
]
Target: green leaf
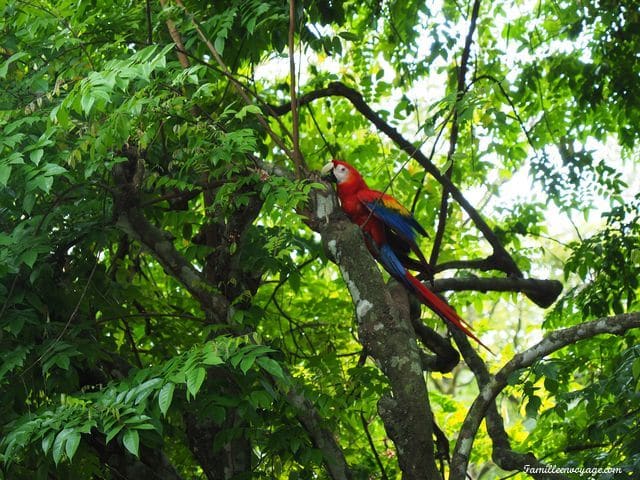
[
  {"x": 28, "y": 202},
  {"x": 635, "y": 368},
  {"x": 42, "y": 182},
  {"x": 111, "y": 433},
  {"x": 260, "y": 399},
  {"x": 58, "y": 444},
  {"x": 47, "y": 441},
  {"x": 62, "y": 361},
  {"x": 514, "y": 377},
  {"x": 271, "y": 366},
  {"x": 144, "y": 390},
  {"x": 131, "y": 441},
  {"x": 36, "y": 155},
  {"x": 87, "y": 102},
  {"x": 71, "y": 444},
  {"x": 246, "y": 363},
  {"x": 59, "y": 114},
  {"x": 551, "y": 384},
  {"x": 52, "y": 169},
  {"x": 533, "y": 405},
  {"x": 29, "y": 257},
  {"x": 5, "y": 240},
  {"x": 212, "y": 359},
  {"x": 12, "y": 359},
  {"x": 5, "y": 173},
  {"x": 349, "y": 36},
  {"x": 247, "y": 109},
  {"x": 166, "y": 396},
  {"x": 138, "y": 420},
  {"x": 4, "y": 67},
  {"x": 16, "y": 158},
  {"x": 236, "y": 358},
  {"x": 195, "y": 378},
  {"x": 219, "y": 44}
]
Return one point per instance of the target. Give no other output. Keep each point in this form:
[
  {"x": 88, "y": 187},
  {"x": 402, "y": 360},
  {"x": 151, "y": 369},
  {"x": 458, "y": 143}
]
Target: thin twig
[
  {"x": 453, "y": 139},
  {"x": 70, "y": 319},
  {"x": 430, "y": 158},
  {"x": 151, "y": 315},
  {"x": 332, "y": 151},
  {"x": 132, "y": 342},
  {"x": 383, "y": 473},
  {"x": 149, "y": 23},
  {"x": 176, "y": 37},
  {"x": 295, "y": 118},
  {"x": 233, "y": 79}
]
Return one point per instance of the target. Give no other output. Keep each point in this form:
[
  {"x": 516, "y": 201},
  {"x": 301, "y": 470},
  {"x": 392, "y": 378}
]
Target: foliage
[
  {"x": 114, "y": 358},
  {"x": 125, "y": 409}
]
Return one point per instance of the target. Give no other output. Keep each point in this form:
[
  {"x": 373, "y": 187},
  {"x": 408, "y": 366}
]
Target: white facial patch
[{"x": 341, "y": 173}]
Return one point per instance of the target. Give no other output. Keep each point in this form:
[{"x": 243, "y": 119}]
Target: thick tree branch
[
  {"x": 385, "y": 332},
  {"x": 160, "y": 244},
  {"x": 446, "y": 357},
  {"x": 616, "y": 325},
  {"x": 176, "y": 37},
  {"x": 484, "y": 264},
  {"x": 542, "y": 292}
]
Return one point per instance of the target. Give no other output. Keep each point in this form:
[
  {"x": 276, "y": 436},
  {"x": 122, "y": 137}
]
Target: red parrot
[{"x": 390, "y": 234}]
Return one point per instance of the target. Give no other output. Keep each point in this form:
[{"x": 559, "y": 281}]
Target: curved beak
[{"x": 327, "y": 172}]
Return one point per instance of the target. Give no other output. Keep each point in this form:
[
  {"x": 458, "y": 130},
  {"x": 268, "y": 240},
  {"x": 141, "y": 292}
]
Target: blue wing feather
[
  {"x": 392, "y": 264},
  {"x": 400, "y": 227},
  {"x": 404, "y": 225}
]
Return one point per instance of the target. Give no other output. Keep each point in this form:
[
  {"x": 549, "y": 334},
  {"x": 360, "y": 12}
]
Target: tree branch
[
  {"x": 176, "y": 37},
  {"x": 446, "y": 357},
  {"x": 298, "y": 162},
  {"x": 160, "y": 244},
  {"x": 484, "y": 264},
  {"x": 556, "y": 340},
  {"x": 542, "y": 292}
]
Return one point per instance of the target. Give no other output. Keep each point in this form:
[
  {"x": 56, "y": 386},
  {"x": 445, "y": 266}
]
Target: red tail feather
[{"x": 442, "y": 308}]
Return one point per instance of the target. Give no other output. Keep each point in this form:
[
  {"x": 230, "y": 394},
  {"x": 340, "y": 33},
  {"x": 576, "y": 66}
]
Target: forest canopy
[{"x": 182, "y": 297}]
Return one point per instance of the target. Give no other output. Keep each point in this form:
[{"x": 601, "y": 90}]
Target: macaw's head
[{"x": 341, "y": 172}]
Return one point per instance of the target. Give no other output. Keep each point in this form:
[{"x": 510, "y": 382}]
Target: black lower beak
[
  {"x": 330, "y": 177},
  {"x": 327, "y": 173}
]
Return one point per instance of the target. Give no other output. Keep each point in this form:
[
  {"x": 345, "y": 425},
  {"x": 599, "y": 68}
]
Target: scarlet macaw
[{"x": 390, "y": 233}]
